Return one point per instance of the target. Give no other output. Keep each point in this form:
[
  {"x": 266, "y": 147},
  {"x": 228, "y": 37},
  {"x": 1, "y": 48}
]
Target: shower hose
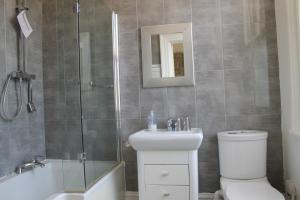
[{"x": 3, "y": 112}]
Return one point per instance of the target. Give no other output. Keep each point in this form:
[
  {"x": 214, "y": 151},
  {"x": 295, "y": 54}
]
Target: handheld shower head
[{"x": 30, "y": 105}]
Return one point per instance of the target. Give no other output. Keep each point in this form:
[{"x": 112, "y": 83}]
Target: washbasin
[{"x": 146, "y": 140}]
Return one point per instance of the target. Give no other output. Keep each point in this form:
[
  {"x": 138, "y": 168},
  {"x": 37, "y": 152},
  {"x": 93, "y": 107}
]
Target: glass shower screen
[
  {"x": 99, "y": 88},
  {"x": 88, "y": 53}
]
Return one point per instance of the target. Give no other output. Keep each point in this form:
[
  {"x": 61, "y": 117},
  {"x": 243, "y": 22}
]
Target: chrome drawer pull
[
  {"x": 167, "y": 194},
  {"x": 165, "y": 173}
]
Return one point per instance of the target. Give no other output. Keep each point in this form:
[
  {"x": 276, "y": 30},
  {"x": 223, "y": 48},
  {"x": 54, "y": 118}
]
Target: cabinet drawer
[
  {"x": 156, "y": 192},
  {"x": 166, "y": 174},
  {"x": 165, "y": 157}
]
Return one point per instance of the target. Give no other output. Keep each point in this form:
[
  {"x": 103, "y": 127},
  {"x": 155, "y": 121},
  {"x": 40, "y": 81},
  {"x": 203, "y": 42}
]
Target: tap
[
  {"x": 28, "y": 165},
  {"x": 186, "y": 124},
  {"x": 174, "y": 124},
  {"x": 179, "y": 124},
  {"x": 178, "y": 127}
]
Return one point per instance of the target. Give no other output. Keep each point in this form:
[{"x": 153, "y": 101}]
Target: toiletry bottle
[{"x": 152, "y": 121}]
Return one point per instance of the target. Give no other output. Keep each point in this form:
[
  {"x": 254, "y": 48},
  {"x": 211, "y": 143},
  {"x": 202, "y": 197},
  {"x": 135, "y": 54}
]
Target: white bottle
[{"x": 152, "y": 126}]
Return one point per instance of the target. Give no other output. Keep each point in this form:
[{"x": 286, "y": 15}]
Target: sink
[{"x": 146, "y": 140}]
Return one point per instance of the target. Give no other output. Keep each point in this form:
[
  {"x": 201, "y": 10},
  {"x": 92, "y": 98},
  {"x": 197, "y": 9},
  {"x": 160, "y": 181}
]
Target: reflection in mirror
[{"x": 167, "y": 55}]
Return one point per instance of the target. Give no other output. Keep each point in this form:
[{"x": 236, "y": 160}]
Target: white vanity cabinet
[
  {"x": 168, "y": 175},
  {"x": 167, "y": 163}
]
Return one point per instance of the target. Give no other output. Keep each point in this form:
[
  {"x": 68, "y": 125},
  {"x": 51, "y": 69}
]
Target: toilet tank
[{"x": 243, "y": 154}]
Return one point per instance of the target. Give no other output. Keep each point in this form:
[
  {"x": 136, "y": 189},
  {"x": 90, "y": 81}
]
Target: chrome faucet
[
  {"x": 171, "y": 124},
  {"x": 186, "y": 124},
  {"x": 29, "y": 166},
  {"x": 176, "y": 124}
]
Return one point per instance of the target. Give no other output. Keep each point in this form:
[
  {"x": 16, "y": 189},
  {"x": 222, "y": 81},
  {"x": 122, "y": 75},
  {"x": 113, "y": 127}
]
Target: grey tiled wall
[
  {"x": 236, "y": 69},
  {"x": 23, "y": 138}
]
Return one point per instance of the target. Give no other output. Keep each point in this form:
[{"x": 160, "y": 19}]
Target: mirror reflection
[{"x": 167, "y": 55}]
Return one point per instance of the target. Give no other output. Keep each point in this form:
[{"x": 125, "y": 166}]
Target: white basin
[{"x": 146, "y": 140}]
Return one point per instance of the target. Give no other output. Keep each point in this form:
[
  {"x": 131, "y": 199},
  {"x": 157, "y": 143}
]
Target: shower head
[{"x": 30, "y": 105}]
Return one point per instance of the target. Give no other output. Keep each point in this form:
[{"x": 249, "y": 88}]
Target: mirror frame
[{"x": 189, "y": 77}]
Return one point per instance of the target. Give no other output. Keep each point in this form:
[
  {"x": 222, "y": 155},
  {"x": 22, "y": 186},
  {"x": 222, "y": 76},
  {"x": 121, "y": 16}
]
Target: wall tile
[
  {"x": 129, "y": 57},
  {"x": 127, "y": 11},
  {"x": 54, "y": 134},
  {"x": 206, "y": 12},
  {"x": 131, "y": 176},
  {"x": 150, "y": 12},
  {"x": 94, "y": 133},
  {"x": 234, "y": 11},
  {"x": 237, "y": 50},
  {"x": 210, "y": 94},
  {"x": 239, "y": 88},
  {"x": 4, "y": 148},
  {"x": 177, "y": 11},
  {"x": 2, "y": 40},
  {"x": 207, "y": 48},
  {"x": 130, "y": 102},
  {"x": 72, "y": 139},
  {"x": 207, "y": 176},
  {"x": 103, "y": 18},
  {"x": 154, "y": 99},
  {"x": 181, "y": 101},
  {"x": 102, "y": 56}
]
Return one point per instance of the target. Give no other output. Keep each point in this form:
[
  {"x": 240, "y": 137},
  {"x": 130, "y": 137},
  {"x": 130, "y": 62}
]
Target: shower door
[
  {"x": 81, "y": 89},
  {"x": 99, "y": 89}
]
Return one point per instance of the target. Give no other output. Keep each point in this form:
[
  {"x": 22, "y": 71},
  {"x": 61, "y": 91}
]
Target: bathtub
[{"x": 48, "y": 183}]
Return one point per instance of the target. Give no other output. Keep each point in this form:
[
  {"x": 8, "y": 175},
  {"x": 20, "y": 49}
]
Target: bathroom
[{"x": 78, "y": 95}]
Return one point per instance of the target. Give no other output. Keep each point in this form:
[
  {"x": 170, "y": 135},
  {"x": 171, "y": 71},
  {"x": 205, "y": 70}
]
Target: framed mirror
[{"x": 167, "y": 54}]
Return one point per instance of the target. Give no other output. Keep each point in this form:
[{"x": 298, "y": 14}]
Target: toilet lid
[{"x": 252, "y": 191}]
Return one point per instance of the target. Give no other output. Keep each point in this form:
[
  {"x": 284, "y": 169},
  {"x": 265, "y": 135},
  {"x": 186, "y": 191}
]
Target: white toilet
[{"x": 243, "y": 162}]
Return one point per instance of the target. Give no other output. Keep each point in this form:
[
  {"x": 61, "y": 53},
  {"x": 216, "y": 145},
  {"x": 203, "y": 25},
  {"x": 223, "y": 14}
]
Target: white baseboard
[{"x": 135, "y": 196}]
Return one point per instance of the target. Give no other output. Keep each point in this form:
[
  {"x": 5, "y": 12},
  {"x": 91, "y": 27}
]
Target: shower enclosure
[{"x": 81, "y": 89}]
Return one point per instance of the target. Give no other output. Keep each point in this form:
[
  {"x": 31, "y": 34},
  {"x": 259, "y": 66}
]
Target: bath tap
[{"x": 29, "y": 165}]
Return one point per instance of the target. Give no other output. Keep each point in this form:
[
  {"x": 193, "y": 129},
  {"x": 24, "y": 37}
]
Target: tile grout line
[
  {"x": 219, "y": 7},
  {"x": 195, "y": 73},
  {"x": 138, "y": 59}
]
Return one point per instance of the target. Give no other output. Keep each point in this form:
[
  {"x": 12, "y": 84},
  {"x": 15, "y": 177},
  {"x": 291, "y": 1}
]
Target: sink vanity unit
[{"x": 167, "y": 163}]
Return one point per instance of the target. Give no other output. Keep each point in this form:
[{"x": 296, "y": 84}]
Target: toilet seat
[{"x": 252, "y": 191}]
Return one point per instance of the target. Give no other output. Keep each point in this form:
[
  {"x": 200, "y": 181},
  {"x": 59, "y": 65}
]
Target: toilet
[{"x": 243, "y": 166}]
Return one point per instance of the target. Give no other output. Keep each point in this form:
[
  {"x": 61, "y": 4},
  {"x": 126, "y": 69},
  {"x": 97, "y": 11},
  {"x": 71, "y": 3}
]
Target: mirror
[{"x": 167, "y": 55}]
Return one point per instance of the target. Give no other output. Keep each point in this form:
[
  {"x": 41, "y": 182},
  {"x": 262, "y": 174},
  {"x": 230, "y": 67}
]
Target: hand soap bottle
[{"x": 152, "y": 126}]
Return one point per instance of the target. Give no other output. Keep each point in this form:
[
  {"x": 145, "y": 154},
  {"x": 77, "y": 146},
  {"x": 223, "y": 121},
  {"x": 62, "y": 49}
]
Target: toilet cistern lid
[{"x": 243, "y": 135}]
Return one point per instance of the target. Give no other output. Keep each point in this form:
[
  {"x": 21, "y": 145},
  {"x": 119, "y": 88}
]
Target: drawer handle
[
  {"x": 166, "y": 194},
  {"x": 165, "y": 173}
]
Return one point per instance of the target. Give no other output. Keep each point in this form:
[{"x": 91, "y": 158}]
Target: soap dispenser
[{"x": 152, "y": 126}]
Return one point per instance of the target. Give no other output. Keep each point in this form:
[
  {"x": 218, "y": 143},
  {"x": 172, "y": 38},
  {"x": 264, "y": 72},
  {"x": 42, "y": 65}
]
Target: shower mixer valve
[{"x": 23, "y": 75}]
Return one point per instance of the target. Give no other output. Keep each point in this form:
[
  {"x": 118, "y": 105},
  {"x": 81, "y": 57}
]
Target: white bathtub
[
  {"x": 48, "y": 183},
  {"x": 37, "y": 184},
  {"x": 66, "y": 197}
]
